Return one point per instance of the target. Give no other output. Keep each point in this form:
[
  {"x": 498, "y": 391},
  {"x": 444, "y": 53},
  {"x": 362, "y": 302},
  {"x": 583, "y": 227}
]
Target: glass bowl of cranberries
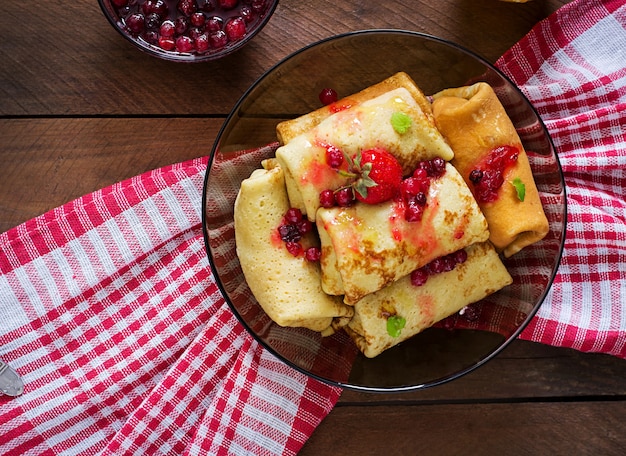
[
  {"x": 318, "y": 75},
  {"x": 188, "y": 30}
]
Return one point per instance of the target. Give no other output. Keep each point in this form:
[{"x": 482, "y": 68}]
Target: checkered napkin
[
  {"x": 110, "y": 313},
  {"x": 572, "y": 66}
]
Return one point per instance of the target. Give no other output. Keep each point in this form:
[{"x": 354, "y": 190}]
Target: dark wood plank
[
  {"x": 523, "y": 371},
  {"x": 48, "y": 162},
  {"x": 85, "y": 67},
  {"x": 531, "y": 428}
]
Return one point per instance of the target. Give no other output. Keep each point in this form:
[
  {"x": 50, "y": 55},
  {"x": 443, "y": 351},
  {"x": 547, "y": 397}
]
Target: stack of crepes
[{"x": 112, "y": 317}]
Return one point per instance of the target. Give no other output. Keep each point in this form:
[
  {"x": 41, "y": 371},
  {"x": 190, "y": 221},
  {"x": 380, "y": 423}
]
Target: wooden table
[{"x": 80, "y": 109}]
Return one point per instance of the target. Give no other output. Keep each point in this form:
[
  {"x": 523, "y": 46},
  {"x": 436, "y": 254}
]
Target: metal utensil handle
[{"x": 11, "y": 383}]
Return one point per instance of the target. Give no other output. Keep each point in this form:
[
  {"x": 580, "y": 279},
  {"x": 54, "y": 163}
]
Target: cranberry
[
  {"x": 334, "y": 156},
  {"x": 153, "y": 21},
  {"x": 344, "y": 197},
  {"x": 167, "y": 29},
  {"x": 135, "y": 23},
  {"x": 327, "y": 198},
  {"x": 214, "y": 23},
  {"x": 437, "y": 266},
  {"x": 438, "y": 167},
  {"x": 305, "y": 226},
  {"x": 184, "y": 44},
  {"x": 419, "y": 277},
  {"x": 475, "y": 176},
  {"x": 202, "y": 43},
  {"x": 197, "y": 19},
  {"x": 489, "y": 176},
  {"x": 206, "y": 5},
  {"x": 218, "y": 39},
  {"x": 460, "y": 256},
  {"x": 313, "y": 254},
  {"x": 328, "y": 96},
  {"x": 151, "y": 37},
  {"x": 187, "y": 7},
  {"x": 181, "y": 24},
  {"x": 293, "y": 215},
  {"x": 227, "y": 4},
  {"x": 257, "y": 5},
  {"x": 246, "y": 13},
  {"x": 235, "y": 28},
  {"x": 413, "y": 211},
  {"x": 289, "y": 233},
  {"x": 167, "y": 43},
  {"x": 158, "y": 7},
  {"x": 294, "y": 248}
]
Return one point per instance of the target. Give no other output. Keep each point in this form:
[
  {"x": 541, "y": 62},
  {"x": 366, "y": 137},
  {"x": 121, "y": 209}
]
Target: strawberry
[{"x": 379, "y": 175}]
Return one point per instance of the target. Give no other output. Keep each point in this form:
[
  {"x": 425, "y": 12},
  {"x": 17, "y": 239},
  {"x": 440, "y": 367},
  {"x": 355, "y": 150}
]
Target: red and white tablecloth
[{"x": 109, "y": 311}]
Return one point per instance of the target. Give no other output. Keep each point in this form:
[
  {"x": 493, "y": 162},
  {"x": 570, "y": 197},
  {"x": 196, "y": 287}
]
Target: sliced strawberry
[{"x": 380, "y": 176}]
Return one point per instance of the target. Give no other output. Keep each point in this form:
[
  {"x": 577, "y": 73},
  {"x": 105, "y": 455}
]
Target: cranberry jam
[{"x": 191, "y": 30}]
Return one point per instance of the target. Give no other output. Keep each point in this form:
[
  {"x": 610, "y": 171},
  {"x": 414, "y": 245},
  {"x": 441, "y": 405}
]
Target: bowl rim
[
  {"x": 346, "y": 384},
  {"x": 150, "y": 49}
]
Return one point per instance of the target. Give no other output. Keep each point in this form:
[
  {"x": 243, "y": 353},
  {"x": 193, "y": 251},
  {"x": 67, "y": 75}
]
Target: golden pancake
[
  {"x": 474, "y": 122},
  {"x": 422, "y": 306},
  {"x": 366, "y": 247},
  {"x": 288, "y": 288}
]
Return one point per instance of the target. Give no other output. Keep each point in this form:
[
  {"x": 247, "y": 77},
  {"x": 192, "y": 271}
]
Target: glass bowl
[
  {"x": 188, "y": 30},
  {"x": 349, "y": 63}
]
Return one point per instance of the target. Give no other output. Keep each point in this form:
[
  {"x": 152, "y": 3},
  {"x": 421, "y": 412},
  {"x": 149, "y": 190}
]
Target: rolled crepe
[
  {"x": 366, "y": 247},
  {"x": 289, "y": 129},
  {"x": 441, "y": 296},
  {"x": 363, "y": 126},
  {"x": 474, "y": 123},
  {"x": 288, "y": 288}
]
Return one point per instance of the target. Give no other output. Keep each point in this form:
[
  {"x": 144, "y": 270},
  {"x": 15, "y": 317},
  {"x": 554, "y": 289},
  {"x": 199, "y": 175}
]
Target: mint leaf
[
  {"x": 520, "y": 188},
  {"x": 400, "y": 122},
  {"x": 395, "y": 323}
]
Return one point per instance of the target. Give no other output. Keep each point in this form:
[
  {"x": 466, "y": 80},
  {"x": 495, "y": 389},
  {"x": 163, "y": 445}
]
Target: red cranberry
[
  {"x": 327, "y": 198},
  {"x": 218, "y": 39},
  {"x": 181, "y": 24},
  {"x": 135, "y": 23},
  {"x": 167, "y": 29},
  {"x": 153, "y": 21},
  {"x": 184, "y": 44},
  {"x": 246, "y": 13},
  {"x": 438, "y": 167},
  {"x": 460, "y": 256},
  {"x": 155, "y": 6},
  {"x": 289, "y": 233},
  {"x": 475, "y": 176},
  {"x": 328, "y": 96},
  {"x": 305, "y": 226},
  {"x": 334, "y": 156},
  {"x": 202, "y": 43},
  {"x": 235, "y": 28},
  {"x": 206, "y": 5},
  {"x": 294, "y": 248},
  {"x": 227, "y": 4},
  {"x": 257, "y": 5},
  {"x": 344, "y": 197},
  {"x": 313, "y": 254},
  {"x": 187, "y": 7},
  {"x": 419, "y": 277},
  {"x": 293, "y": 215},
  {"x": 151, "y": 37},
  {"x": 197, "y": 19},
  {"x": 413, "y": 211},
  {"x": 214, "y": 23},
  {"x": 167, "y": 43}
]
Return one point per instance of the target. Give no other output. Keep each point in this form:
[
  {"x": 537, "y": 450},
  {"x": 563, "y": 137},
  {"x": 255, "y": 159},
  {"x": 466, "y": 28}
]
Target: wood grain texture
[{"x": 81, "y": 109}]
